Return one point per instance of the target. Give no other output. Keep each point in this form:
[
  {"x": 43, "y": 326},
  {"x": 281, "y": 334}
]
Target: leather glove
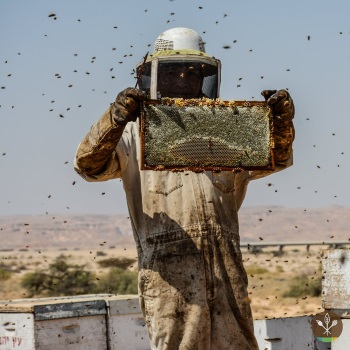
[
  {"x": 282, "y": 109},
  {"x": 126, "y": 107}
]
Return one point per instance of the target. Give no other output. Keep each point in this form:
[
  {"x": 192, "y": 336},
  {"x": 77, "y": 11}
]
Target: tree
[
  {"x": 61, "y": 278},
  {"x": 302, "y": 285},
  {"x": 118, "y": 281}
]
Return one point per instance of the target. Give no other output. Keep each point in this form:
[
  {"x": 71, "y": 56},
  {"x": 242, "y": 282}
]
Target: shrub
[
  {"x": 277, "y": 253},
  {"x": 4, "y": 274},
  {"x": 118, "y": 281},
  {"x": 255, "y": 270},
  {"x": 279, "y": 269},
  {"x": 100, "y": 253},
  {"x": 302, "y": 286},
  {"x": 122, "y": 263},
  {"x": 61, "y": 278}
]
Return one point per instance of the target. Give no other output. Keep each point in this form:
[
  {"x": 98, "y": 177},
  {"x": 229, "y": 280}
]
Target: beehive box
[
  {"x": 289, "y": 333},
  {"x": 85, "y": 322},
  {"x": 336, "y": 279},
  {"x": 127, "y": 328}
]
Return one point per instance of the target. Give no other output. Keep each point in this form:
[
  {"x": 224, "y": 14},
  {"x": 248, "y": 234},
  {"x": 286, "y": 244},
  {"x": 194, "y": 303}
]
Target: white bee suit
[{"x": 192, "y": 284}]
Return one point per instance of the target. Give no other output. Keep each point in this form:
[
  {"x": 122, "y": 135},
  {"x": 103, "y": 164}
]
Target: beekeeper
[{"x": 192, "y": 283}]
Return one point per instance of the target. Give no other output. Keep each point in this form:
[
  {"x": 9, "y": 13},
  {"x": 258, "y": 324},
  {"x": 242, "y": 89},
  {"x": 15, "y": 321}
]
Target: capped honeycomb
[{"x": 206, "y": 134}]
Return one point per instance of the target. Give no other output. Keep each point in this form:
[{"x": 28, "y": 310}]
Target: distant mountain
[
  {"x": 64, "y": 231},
  {"x": 93, "y": 231},
  {"x": 294, "y": 224}
]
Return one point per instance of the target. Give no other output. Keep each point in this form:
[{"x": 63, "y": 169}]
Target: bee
[{"x": 342, "y": 258}]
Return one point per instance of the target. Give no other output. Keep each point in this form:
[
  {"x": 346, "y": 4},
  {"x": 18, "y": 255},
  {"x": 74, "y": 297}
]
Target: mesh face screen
[
  {"x": 206, "y": 137},
  {"x": 188, "y": 76},
  {"x": 162, "y": 44}
]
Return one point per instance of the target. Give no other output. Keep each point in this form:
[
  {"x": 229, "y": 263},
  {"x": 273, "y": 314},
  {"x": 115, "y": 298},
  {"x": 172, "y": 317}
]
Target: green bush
[
  {"x": 255, "y": 270},
  {"x": 61, "y": 278},
  {"x": 118, "y": 281},
  {"x": 279, "y": 269},
  {"x": 4, "y": 274},
  {"x": 122, "y": 263},
  {"x": 302, "y": 285}
]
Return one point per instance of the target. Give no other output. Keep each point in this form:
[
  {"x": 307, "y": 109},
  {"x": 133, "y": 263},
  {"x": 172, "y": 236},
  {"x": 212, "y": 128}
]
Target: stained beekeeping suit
[{"x": 192, "y": 284}]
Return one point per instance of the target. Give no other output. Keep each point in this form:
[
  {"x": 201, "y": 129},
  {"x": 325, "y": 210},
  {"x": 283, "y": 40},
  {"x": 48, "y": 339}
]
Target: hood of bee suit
[{"x": 174, "y": 47}]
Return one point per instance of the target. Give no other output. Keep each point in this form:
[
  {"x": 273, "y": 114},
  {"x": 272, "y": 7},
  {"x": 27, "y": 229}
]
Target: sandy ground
[{"x": 269, "y": 275}]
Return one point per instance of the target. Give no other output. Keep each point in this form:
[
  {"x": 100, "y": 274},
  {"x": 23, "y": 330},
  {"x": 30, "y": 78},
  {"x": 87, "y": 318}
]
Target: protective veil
[{"x": 176, "y": 49}]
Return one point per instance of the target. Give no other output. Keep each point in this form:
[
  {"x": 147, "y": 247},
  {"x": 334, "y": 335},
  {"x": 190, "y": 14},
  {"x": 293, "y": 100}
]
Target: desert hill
[{"x": 91, "y": 231}]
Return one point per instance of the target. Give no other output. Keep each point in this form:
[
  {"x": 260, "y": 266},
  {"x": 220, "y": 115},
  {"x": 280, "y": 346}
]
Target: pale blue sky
[{"x": 38, "y": 142}]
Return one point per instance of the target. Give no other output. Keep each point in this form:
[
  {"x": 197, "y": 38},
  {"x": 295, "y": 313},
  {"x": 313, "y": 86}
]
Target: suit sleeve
[{"x": 102, "y": 155}]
